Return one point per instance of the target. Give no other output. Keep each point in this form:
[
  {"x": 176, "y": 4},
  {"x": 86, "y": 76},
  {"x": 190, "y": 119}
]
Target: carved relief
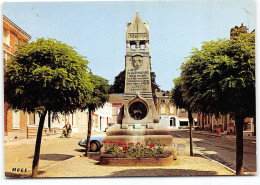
[{"x": 137, "y": 62}]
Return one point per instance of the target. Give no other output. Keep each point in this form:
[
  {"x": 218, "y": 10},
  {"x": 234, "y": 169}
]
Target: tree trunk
[
  {"x": 38, "y": 146},
  {"x": 191, "y": 124},
  {"x": 239, "y": 119},
  {"x": 89, "y": 131},
  {"x": 49, "y": 120},
  {"x": 211, "y": 120},
  {"x": 254, "y": 121},
  {"x": 203, "y": 121}
]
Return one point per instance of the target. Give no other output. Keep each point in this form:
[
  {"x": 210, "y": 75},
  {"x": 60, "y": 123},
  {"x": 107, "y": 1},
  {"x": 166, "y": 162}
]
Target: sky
[{"x": 97, "y": 29}]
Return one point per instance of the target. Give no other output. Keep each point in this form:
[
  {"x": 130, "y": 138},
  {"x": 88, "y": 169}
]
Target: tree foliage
[
  {"x": 178, "y": 94},
  {"x": 220, "y": 78},
  {"x": 119, "y": 83},
  {"x": 100, "y": 93},
  {"x": 47, "y": 75}
]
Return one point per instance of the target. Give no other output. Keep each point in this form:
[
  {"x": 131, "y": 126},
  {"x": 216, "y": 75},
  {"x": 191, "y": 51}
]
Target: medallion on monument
[
  {"x": 138, "y": 110},
  {"x": 137, "y": 61}
]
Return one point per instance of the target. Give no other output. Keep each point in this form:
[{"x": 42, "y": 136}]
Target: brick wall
[{"x": 13, "y": 34}]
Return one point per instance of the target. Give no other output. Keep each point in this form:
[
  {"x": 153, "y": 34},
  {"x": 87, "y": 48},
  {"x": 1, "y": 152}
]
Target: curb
[
  {"x": 206, "y": 157},
  {"x": 224, "y": 136},
  {"x": 194, "y": 144}
]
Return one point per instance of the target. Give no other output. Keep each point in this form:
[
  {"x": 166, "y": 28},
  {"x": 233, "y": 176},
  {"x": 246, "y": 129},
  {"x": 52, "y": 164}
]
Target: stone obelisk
[
  {"x": 138, "y": 119},
  {"x": 139, "y": 108}
]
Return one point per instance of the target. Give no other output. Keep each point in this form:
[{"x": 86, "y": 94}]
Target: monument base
[
  {"x": 139, "y": 133},
  {"x": 137, "y": 129},
  {"x": 135, "y": 133},
  {"x": 162, "y": 139}
]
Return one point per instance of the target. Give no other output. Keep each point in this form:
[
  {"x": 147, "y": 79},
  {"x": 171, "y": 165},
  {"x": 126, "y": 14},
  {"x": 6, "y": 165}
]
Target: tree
[
  {"x": 98, "y": 98},
  {"x": 220, "y": 79},
  {"x": 178, "y": 95},
  {"x": 119, "y": 83},
  {"x": 46, "y": 75}
]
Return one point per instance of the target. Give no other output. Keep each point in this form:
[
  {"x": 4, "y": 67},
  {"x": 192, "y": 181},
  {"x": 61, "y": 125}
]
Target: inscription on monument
[
  {"x": 137, "y": 80},
  {"x": 137, "y": 35}
]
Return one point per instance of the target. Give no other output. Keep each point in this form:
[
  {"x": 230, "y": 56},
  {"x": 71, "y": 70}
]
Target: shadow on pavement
[
  {"x": 161, "y": 172},
  {"x": 91, "y": 155},
  {"x": 15, "y": 175},
  {"x": 80, "y": 150},
  {"x": 54, "y": 157}
]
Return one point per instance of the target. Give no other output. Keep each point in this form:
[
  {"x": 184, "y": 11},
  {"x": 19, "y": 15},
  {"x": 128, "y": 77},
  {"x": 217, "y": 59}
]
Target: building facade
[
  {"x": 116, "y": 101},
  {"x": 102, "y": 117},
  {"x": 170, "y": 114},
  {"x": 78, "y": 120},
  {"x": 15, "y": 122}
]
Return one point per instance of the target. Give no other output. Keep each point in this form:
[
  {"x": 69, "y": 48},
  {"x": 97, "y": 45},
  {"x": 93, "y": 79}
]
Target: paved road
[{"x": 222, "y": 150}]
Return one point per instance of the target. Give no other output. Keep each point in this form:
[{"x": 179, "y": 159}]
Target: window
[
  {"x": 19, "y": 42},
  {"x": 171, "y": 101},
  {"x": 162, "y": 101},
  {"x": 142, "y": 46},
  {"x": 16, "y": 119},
  {"x": 5, "y": 36},
  {"x": 31, "y": 119},
  {"x": 247, "y": 126},
  {"x": 172, "y": 122},
  {"x": 133, "y": 47},
  {"x": 183, "y": 123},
  {"x": 171, "y": 109},
  {"x": 4, "y": 60},
  {"x": 162, "y": 110}
]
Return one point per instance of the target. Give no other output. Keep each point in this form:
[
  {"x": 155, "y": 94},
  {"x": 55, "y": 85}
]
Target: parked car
[
  {"x": 96, "y": 142},
  {"x": 109, "y": 125}
]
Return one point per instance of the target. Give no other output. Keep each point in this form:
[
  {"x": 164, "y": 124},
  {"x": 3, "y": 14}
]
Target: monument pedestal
[{"x": 139, "y": 133}]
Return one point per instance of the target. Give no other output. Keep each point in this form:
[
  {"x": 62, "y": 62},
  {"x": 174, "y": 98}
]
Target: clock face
[
  {"x": 137, "y": 62},
  {"x": 138, "y": 110}
]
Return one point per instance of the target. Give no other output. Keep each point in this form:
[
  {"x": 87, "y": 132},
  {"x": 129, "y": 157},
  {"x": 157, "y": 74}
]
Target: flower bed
[
  {"x": 129, "y": 154},
  {"x": 150, "y": 149}
]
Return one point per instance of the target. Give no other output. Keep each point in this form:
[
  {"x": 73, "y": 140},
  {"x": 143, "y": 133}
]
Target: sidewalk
[
  {"x": 29, "y": 141},
  {"x": 44, "y": 138},
  {"x": 227, "y": 136},
  {"x": 185, "y": 165}
]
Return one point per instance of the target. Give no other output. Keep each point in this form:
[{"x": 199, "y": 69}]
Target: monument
[{"x": 138, "y": 119}]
